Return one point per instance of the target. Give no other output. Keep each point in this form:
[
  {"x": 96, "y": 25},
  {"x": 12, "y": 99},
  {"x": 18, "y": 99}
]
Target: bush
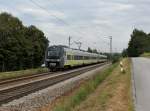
[{"x": 116, "y": 58}]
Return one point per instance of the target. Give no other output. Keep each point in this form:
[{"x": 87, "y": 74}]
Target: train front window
[{"x": 54, "y": 52}]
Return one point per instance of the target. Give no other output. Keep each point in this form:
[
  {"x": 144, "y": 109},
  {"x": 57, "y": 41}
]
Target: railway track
[
  {"x": 13, "y": 89},
  {"x": 24, "y": 78}
]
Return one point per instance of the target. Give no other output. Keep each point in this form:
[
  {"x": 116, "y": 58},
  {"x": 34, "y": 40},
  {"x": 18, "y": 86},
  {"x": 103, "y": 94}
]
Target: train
[{"x": 61, "y": 57}]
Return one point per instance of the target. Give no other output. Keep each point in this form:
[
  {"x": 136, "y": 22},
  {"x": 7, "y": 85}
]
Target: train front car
[{"x": 54, "y": 58}]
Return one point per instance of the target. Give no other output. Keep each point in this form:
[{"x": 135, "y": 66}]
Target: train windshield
[{"x": 54, "y": 52}]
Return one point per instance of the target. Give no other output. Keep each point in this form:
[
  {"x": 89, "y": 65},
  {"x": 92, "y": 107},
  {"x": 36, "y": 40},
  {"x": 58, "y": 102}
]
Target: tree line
[
  {"x": 92, "y": 50},
  {"x": 21, "y": 47},
  {"x": 138, "y": 44}
]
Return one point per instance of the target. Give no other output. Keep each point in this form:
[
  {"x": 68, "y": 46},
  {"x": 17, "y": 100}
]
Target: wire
[
  {"x": 49, "y": 12},
  {"x": 59, "y": 19}
]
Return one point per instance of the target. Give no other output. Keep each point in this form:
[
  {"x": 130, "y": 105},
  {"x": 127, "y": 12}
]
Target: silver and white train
[{"x": 59, "y": 57}]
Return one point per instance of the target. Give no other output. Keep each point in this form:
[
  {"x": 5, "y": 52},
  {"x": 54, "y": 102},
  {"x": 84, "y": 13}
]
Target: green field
[
  {"x": 15, "y": 74},
  {"x": 146, "y": 54}
]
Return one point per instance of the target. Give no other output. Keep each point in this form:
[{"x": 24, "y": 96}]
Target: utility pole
[
  {"x": 110, "y": 47},
  {"x": 69, "y": 41},
  {"x": 79, "y": 44},
  {"x": 46, "y": 51}
]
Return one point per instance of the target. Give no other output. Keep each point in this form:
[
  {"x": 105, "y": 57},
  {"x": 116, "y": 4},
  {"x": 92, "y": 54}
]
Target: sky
[{"x": 91, "y": 22}]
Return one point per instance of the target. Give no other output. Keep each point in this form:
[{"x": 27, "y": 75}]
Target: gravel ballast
[{"x": 35, "y": 101}]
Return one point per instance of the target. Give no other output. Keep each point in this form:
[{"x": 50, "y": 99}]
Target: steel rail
[
  {"x": 13, "y": 92},
  {"x": 23, "y": 78}
]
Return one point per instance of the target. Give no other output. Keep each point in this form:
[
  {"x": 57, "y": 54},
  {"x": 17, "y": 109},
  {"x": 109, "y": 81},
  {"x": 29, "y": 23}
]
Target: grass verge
[
  {"x": 109, "y": 90},
  {"x": 82, "y": 93},
  {"x": 146, "y": 54},
  {"x": 15, "y": 74},
  {"x": 114, "y": 94}
]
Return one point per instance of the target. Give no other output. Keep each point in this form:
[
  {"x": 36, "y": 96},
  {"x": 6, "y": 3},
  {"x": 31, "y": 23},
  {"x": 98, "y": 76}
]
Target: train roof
[
  {"x": 59, "y": 46},
  {"x": 77, "y": 50}
]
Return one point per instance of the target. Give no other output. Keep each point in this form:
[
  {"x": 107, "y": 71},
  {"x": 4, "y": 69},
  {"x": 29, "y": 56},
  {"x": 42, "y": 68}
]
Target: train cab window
[{"x": 69, "y": 57}]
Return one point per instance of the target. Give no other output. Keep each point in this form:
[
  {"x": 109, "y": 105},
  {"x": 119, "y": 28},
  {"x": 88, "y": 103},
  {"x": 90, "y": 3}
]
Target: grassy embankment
[
  {"x": 15, "y": 74},
  {"x": 110, "y": 90},
  {"x": 146, "y": 54}
]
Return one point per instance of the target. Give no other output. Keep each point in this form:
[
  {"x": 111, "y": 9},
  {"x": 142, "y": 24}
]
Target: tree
[
  {"x": 89, "y": 50},
  {"x": 94, "y": 51},
  {"x": 124, "y": 53},
  {"x": 139, "y": 43},
  {"x": 19, "y": 44}
]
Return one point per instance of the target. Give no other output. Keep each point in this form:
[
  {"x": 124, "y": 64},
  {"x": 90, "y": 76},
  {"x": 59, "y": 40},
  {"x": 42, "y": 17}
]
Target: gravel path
[{"x": 35, "y": 101}]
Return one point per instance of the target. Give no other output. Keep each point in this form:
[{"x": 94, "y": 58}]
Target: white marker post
[{"x": 121, "y": 66}]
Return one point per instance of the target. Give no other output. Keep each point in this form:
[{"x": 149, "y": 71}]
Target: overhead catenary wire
[{"x": 57, "y": 18}]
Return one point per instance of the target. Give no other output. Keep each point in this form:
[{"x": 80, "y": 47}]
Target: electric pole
[
  {"x": 79, "y": 44},
  {"x": 46, "y": 52},
  {"x": 110, "y": 47},
  {"x": 69, "y": 41}
]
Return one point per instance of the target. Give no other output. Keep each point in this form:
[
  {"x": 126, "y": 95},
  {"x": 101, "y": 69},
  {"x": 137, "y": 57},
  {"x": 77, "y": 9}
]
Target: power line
[
  {"x": 48, "y": 12},
  {"x": 59, "y": 19},
  {"x": 110, "y": 37},
  {"x": 69, "y": 41},
  {"x": 54, "y": 5}
]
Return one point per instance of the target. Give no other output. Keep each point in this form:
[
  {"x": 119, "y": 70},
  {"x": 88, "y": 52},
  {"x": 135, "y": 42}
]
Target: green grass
[
  {"x": 86, "y": 89},
  {"x": 146, "y": 54},
  {"x": 116, "y": 80},
  {"x": 15, "y": 74},
  {"x": 104, "y": 97}
]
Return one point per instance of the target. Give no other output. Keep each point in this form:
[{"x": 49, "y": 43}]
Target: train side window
[
  {"x": 75, "y": 57},
  {"x": 69, "y": 57},
  {"x": 72, "y": 57},
  {"x": 81, "y": 57},
  {"x": 86, "y": 57}
]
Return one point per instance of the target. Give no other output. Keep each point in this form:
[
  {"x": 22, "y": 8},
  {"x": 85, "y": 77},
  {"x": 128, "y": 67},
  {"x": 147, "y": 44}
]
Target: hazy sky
[{"x": 88, "y": 21}]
